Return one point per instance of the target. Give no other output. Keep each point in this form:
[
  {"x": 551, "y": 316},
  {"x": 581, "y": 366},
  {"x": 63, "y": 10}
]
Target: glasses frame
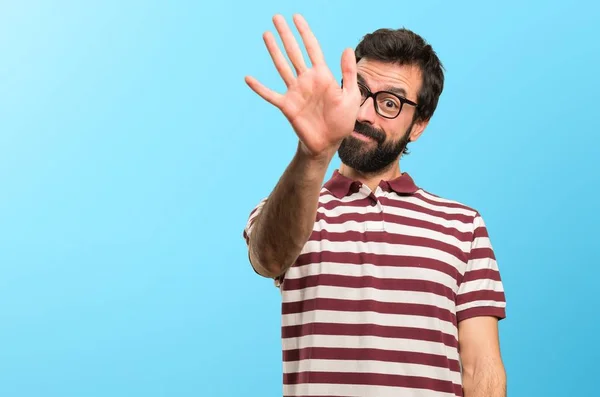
[{"x": 371, "y": 94}]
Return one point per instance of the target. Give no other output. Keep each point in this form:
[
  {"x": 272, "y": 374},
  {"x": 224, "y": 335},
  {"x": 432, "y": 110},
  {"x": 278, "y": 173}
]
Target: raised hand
[{"x": 321, "y": 112}]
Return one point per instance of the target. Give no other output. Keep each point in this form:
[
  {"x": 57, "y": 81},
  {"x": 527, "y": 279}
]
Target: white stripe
[
  {"x": 369, "y": 269},
  {"x": 367, "y": 293},
  {"x": 374, "y": 367},
  {"x": 482, "y": 264},
  {"x": 376, "y": 248},
  {"x": 481, "y": 285},
  {"x": 368, "y": 317},
  {"x": 327, "y": 198},
  {"x": 398, "y": 229},
  {"x": 470, "y": 305},
  {"x": 370, "y": 342},
  {"x": 342, "y": 210},
  {"x": 315, "y": 389},
  {"x": 482, "y": 242}
]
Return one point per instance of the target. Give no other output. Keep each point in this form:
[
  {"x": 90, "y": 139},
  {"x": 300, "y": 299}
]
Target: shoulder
[
  {"x": 461, "y": 216},
  {"x": 447, "y": 205},
  {"x": 444, "y": 201}
]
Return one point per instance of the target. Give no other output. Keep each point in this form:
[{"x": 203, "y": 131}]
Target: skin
[
  {"x": 378, "y": 76},
  {"x": 322, "y": 114},
  {"x": 483, "y": 370}
]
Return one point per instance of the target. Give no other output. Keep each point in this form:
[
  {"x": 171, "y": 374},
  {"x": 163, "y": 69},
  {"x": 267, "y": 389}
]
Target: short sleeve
[
  {"x": 247, "y": 234},
  {"x": 251, "y": 219},
  {"x": 481, "y": 292}
]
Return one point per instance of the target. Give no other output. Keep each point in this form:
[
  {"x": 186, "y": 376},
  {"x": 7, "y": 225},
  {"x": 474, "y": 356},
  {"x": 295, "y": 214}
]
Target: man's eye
[{"x": 390, "y": 103}]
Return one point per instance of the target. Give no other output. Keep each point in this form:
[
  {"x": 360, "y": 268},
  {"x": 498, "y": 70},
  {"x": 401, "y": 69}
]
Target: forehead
[{"x": 380, "y": 75}]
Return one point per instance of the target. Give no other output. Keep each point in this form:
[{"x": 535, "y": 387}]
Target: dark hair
[{"x": 404, "y": 47}]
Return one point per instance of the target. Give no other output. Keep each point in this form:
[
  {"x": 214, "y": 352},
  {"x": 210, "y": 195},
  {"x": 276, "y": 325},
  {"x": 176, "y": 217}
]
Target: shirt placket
[{"x": 375, "y": 223}]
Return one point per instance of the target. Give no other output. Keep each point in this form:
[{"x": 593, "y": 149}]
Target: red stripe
[
  {"x": 330, "y": 353},
  {"x": 388, "y": 284},
  {"x": 349, "y": 258},
  {"x": 466, "y": 219},
  {"x": 481, "y": 274},
  {"x": 396, "y": 219},
  {"x": 359, "y": 202},
  {"x": 498, "y": 312},
  {"x": 342, "y": 305},
  {"x": 480, "y": 231},
  {"x": 359, "y": 378},
  {"x": 482, "y": 253},
  {"x": 383, "y": 331},
  {"x": 389, "y": 238},
  {"x": 442, "y": 204},
  {"x": 365, "y": 202},
  {"x": 481, "y": 295}
]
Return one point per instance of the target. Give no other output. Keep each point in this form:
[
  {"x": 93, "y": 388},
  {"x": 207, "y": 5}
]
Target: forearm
[
  {"x": 286, "y": 221},
  {"x": 484, "y": 380}
]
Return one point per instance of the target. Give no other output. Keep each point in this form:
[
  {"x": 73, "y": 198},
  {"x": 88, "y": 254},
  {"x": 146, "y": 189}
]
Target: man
[{"x": 387, "y": 290}]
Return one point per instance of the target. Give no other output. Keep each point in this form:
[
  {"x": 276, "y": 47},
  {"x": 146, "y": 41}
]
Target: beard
[{"x": 360, "y": 156}]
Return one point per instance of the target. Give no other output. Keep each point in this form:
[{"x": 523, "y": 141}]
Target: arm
[
  {"x": 483, "y": 371},
  {"x": 322, "y": 114},
  {"x": 481, "y": 303},
  {"x": 286, "y": 220}
]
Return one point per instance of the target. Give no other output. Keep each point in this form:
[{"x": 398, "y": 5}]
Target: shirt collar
[{"x": 340, "y": 185}]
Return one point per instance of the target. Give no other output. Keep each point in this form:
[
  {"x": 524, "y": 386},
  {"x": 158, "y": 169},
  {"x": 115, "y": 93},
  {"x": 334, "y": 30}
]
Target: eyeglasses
[{"x": 387, "y": 104}]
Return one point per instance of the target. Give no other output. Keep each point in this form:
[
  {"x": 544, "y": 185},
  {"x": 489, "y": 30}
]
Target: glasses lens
[
  {"x": 388, "y": 105},
  {"x": 364, "y": 93}
]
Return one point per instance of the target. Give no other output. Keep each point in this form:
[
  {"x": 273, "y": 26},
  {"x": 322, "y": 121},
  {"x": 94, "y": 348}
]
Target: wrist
[
  {"x": 312, "y": 166},
  {"x": 315, "y": 160}
]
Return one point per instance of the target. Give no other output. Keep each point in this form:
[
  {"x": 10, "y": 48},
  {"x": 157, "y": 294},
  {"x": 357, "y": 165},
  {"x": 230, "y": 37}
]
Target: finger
[
  {"x": 349, "y": 69},
  {"x": 290, "y": 44},
  {"x": 279, "y": 60},
  {"x": 310, "y": 41},
  {"x": 265, "y": 93}
]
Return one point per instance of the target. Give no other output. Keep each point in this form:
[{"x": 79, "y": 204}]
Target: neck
[{"x": 372, "y": 179}]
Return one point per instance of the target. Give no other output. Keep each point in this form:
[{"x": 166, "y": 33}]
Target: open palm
[{"x": 319, "y": 110}]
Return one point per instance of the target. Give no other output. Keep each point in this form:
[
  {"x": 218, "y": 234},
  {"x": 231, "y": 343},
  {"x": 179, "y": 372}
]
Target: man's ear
[{"x": 417, "y": 129}]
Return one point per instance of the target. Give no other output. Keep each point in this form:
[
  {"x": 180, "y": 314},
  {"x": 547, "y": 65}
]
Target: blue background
[{"x": 131, "y": 153}]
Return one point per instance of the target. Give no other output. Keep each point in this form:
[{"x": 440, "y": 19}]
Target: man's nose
[{"x": 367, "y": 113}]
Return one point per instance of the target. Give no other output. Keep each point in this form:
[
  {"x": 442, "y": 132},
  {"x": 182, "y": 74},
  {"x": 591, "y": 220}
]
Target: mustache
[{"x": 369, "y": 131}]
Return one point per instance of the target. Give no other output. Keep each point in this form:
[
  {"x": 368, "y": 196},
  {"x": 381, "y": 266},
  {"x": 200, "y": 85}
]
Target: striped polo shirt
[{"x": 372, "y": 304}]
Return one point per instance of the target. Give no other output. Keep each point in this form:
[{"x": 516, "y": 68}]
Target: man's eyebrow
[
  {"x": 396, "y": 90},
  {"x": 390, "y": 88}
]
